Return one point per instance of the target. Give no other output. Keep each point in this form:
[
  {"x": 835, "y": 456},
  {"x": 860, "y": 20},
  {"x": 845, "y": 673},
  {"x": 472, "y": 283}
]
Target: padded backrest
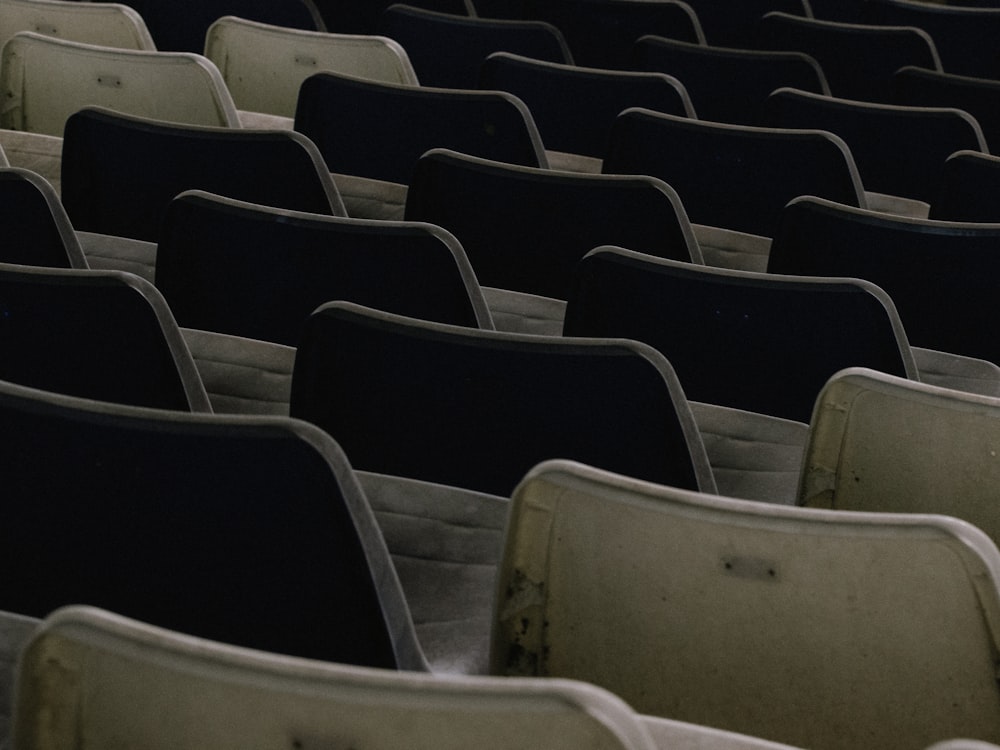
[
  {"x": 107, "y": 24},
  {"x": 575, "y": 107},
  {"x": 728, "y": 85},
  {"x": 731, "y": 176},
  {"x": 264, "y": 65},
  {"x": 119, "y": 173},
  {"x": 753, "y": 341},
  {"x": 965, "y": 37},
  {"x": 44, "y": 80},
  {"x": 181, "y": 25},
  {"x": 908, "y": 164},
  {"x": 525, "y": 229},
  {"x": 259, "y": 272},
  {"x": 940, "y": 275},
  {"x": 447, "y": 49},
  {"x": 36, "y": 230},
  {"x": 932, "y": 88},
  {"x": 477, "y": 409},
  {"x": 105, "y": 335},
  {"x": 876, "y": 52},
  {"x": 888, "y": 445},
  {"x": 600, "y": 33},
  {"x": 346, "y": 118},
  {"x": 105, "y": 667},
  {"x": 247, "y": 530},
  {"x": 970, "y": 184},
  {"x": 752, "y": 616}
]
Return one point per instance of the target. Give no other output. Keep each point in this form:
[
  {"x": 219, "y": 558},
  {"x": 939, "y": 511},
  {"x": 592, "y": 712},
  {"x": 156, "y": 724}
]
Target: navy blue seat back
[
  {"x": 119, "y": 172},
  {"x": 477, "y": 409},
  {"x": 259, "y": 272},
  {"x": 447, "y": 50},
  {"x": 752, "y": 341},
  {"x": 526, "y": 229},
  {"x": 731, "y": 176},
  {"x": 969, "y": 189},
  {"x": 36, "y": 230},
  {"x": 574, "y": 107},
  {"x": 379, "y": 130}
]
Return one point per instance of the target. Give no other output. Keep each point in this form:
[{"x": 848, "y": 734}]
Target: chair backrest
[
  {"x": 119, "y": 173},
  {"x": 728, "y": 85},
  {"x": 477, "y": 409},
  {"x": 105, "y": 335},
  {"x": 980, "y": 97},
  {"x": 940, "y": 275},
  {"x": 600, "y": 33},
  {"x": 364, "y": 16},
  {"x": 107, "y": 24},
  {"x": 264, "y": 65},
  {"x": 889, "y": 445},
  {"x": 970, "y": 184},
  {"x": 447, "y": 49},
  {"x": 754, "y": 341},
  {"x": 733, "y": 176},
  {"x": 346, "y": 118},
  {"x": 965, "y": 37},
  {"x": 876, "y": 52},
  {"x": 751, "y": 616},
  {"x": 44, "y": 80},
  {"x": 258, "y": 272},
  {"x": 181, "y": 25},
  {"x": 526, "y": 229},
  {"x": 575, "y": 107},
  {"x": 105, "y": 666},
  {"x": 36, "y": 230},
  {"x": 248, "y": 530},
  {"x": 909, "y": 163},
  {"x": 733, "y": 23}
]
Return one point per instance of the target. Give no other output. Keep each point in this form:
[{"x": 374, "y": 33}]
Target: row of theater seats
[{"x": 818, "y": 627}]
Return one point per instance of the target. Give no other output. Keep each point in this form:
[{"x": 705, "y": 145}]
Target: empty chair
[
  {"x": 979, "y": 97},
  {"x": 264, "y": 65},
  {"x": 44, "y": 80},
  {"x": 942, "y": 276},
  {"x": 819, "y": 628},
  {"x": 574, "y": 107},
  {"x": 107, "y": 24},
  {"x": 258, "y": 272},
  {"x": 119, "y": 173},
  {"x": 858, "y": 59},
  {"x": 181, "y": 25},
  {"x": 968, "y": 188},
  {"x": 36, "y": 230},
  {"x": 346, "y": 118},
  {"x": 447, "y": 49},
  {"x": 477, "y": 409},
  {"x": 248, "y": 530},
  {"x": 525, "y": 229},
  {"x": 106, "y": 666},
  {"x": 759, "y": 342},
  {"x": 965, "y": 37},
  {"x": 883, "y": 444},
  {"x": 600, "y": 33},
  {"x": 733, "y": 177},
  {"x": 97, "y": 334},
  {"x": 908, "y": 164},
  {"x": 724, "y": 84}
]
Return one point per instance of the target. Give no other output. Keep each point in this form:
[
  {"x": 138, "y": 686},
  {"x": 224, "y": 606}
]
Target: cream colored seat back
[
  {"x": 108, "y": 24},
  {"x": 264, "y": 65},
  {"x": 43, "y": 80},
  {"x": 816, "y": 628},
  {"x": 880, "y": 443}
]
